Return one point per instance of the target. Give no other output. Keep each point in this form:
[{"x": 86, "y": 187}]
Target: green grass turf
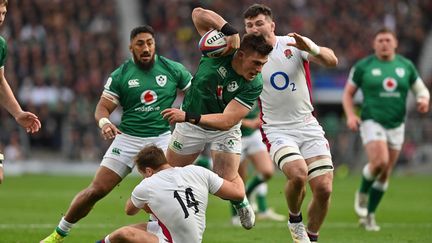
[{"x": 32, "y": 205}]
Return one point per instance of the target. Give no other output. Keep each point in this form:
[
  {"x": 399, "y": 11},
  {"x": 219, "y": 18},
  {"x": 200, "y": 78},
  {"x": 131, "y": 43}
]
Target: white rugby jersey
[
  {"x": 286, "y": 98},
  {"x": 178, "y": 198}
]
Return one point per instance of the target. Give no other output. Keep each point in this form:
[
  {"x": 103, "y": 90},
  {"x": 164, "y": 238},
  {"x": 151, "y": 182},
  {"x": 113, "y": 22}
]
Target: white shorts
[
  {"x": 371, "y": 130},
  {"x": 309, "y": 139},
  {"x": 154, "y": 228},
  {"x": 120, "y": 155},
  {"x": 190, "y": 139},
  {"x": 252, "y": 144}
]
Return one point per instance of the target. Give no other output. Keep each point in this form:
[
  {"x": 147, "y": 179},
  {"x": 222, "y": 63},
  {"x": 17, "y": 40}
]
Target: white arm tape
[
  {"x": 420, "y": 90},
  {"x": 110, "y": 97},
  {"x": 103, "y": 121},
  {"x": 314, "y": 48}
]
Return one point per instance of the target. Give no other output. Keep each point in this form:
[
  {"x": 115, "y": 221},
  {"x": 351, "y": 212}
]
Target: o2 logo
[{"x": 280, "y": 81}]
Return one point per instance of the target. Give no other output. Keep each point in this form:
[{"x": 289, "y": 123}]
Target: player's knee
[
  {"x": 95, "y": 192},
  {"x": 298, "y": 178},
  {"x": 322, "y": 192},
  {"x": 124, "y": 234}
]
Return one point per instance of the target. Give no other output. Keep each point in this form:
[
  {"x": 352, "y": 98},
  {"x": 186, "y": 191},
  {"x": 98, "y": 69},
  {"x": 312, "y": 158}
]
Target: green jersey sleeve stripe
[{"x": 243, "y": 103}]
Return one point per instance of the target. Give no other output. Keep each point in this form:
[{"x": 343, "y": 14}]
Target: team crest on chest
[
  {"x": 232, "y": 86},
  {"x": 400, "y": 72},
  {"x": 288, "y": 53},
  {"x": 161, "y": 80},
  {"x": 389, "y": 84}
]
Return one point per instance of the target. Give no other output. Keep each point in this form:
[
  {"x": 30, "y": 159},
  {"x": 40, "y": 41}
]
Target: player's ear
[{"x": 273, "y": 26}]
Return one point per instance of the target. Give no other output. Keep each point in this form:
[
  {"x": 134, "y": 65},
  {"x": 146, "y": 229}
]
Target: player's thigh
[
  {"x": 262, "y": 162},
  {"x": 377, "y": 152},
  {"x": 180, "y": 160},
  {"x": 226, "y": 164},
  {"x": 105, "y": 179},
  {"x": 395, "y": 137}
]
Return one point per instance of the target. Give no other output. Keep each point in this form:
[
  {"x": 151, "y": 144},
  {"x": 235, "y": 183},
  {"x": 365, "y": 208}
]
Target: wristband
[
  {"x": 103, "y": 121},
  {"x": 228, "y": 30},
  {"x": 314, "y": 48},
  {"x": 1, "y": 160},
  {"x": 192, "y": 118}
]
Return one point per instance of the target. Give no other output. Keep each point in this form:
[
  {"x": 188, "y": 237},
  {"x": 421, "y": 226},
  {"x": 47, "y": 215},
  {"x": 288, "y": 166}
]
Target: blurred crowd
[{"x": 61, "y": 52}]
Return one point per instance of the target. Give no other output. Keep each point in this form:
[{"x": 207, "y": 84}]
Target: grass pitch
[{"x": 32, "y": 205}]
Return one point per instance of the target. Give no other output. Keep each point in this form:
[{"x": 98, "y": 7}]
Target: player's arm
[
  {"x": 205, "y": 20},
  {"x": 422, "y": 95},
  {"x": 232, "y": 115},
  {"x": 25, "y": 119},
  {"x": 130, "y": 208},
  {"x": 318, "y": 54},
  {"x": 231, "y": 190},
  {"x": 253, "y": 123},
  {"x": 353, "y": 120},
  {"x": 106, "y": 105}
]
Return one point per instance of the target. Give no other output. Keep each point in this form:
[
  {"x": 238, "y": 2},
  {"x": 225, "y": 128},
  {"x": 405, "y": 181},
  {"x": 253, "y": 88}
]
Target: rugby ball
[{"x": 212, "y": 43}]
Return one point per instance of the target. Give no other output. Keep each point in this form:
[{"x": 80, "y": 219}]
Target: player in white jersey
[
  {"x": 177, "y": 196},
  {"x": 296, "y": 140}
]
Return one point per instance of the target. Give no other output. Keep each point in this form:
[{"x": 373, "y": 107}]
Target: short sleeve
[
  {"x": 139, "y": 195},
  {"x": 355, "y": 75},
  {"x": 248, "y": 96},
  {"x": 214, "y": 181},
  {"x": 112, "y": 84}
]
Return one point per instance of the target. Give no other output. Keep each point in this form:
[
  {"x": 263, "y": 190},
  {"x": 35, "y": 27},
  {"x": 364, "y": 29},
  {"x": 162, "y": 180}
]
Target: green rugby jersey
[
  {"x": 144, "y": 94},
  {"x": 254, "y": 113},
  {"x": 385, "y": 86},
  {"x": 3, "y": 51},
  {"x": 216, "y": 83}
]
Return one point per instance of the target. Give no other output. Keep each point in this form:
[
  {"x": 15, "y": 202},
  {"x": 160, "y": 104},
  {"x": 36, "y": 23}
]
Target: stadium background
[{"x": 61, "y": 53}]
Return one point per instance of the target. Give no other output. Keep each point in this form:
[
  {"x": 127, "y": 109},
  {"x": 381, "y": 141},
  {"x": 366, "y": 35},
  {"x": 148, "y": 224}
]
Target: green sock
[
  {"x": 233, "y": 210},
  {"x": 365, "y": 185},
  {"x": 375, "y": 196},
  {"x": 61, "y": 232},
  {"x": 253, "y": 183},
  {"x": 262, "y": 203}
]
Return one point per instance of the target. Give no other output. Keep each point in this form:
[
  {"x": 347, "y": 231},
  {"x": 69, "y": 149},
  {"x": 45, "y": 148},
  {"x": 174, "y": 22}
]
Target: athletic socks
[
  {"x": 64, "y": 227},
  {"x": 313, "y": 236},
  {"x": 295, "y": 218},
  {"x": 367, "y": 180},
  {"x": 375, "y": 195},
  {"x": 253, "y": 183}
]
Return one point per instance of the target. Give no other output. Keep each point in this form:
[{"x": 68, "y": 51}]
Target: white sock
[
  {"x": 65, "y": 226},
  {"x": 262, "y": 189},
  {"x": 107, "y": 239},
  {"x": 367, "y": 173}
]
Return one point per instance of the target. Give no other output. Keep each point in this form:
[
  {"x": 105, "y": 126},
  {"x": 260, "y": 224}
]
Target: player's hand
[
  {"x": 29, "y": 121},
  {"x": 300, "y": 42},
  {"x": 353, "y": 122},
  {"x": 233, "y": 43},
  {"x": 109, "y": 131},
  {"x": 422, "y": 105},
  {"x": 174, "y": 115}
]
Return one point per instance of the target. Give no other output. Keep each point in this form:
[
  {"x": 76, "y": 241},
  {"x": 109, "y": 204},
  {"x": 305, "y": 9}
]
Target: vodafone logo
[
  {"x": 148, "y": 97},
  {"x": 389, "y": 84}
]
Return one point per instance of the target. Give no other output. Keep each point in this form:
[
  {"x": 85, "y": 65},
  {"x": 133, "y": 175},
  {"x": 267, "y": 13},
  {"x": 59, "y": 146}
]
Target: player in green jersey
[
  {"x": 143, "y": 86},
  {"x": 223, "y": 91},
  {"x": 26, "y": 119},
  {"x": 385, "y": 79}
]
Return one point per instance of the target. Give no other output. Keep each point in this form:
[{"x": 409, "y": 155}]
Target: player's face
[
  {"x": 385, "y": 45},
  {"x": 3, "y": 12},
  {"x": 260, "y": 25},
  {"x": 143, "y": 49},
  {"x": 252, "y": 63}
]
